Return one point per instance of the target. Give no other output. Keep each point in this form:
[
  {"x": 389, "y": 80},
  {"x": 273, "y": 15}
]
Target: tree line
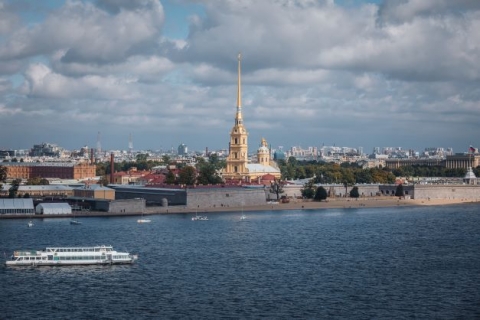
[
  {"x": 328, "y": 172},
  {"x": 206, "y": 171}
]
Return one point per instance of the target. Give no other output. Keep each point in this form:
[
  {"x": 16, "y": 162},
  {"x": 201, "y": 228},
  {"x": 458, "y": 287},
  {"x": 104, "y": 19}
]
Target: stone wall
[
  {"x": 337, "y": 190},
  {"x": 435, "y": 191},
  {"x": 153, "y": 196},
  {"x": 225, "y": 197},
  {"x": 130, "y": 206},
  {"x": 446, "y": 192}
]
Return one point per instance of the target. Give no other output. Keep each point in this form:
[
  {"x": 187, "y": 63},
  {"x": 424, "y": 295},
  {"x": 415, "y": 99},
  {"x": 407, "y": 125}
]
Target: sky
[{"x": 396, "y": 73}]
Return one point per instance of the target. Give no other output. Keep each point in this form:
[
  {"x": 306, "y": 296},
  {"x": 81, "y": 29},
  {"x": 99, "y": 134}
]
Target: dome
[
  {"x": 279, "y": 155},
  {"x": 263, "y": 149}
]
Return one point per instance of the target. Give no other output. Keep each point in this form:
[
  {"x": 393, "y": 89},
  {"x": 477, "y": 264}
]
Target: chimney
[{"x": 91, "y": 156}]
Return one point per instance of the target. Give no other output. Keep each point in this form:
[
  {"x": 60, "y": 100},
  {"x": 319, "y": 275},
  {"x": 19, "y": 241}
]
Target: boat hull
[{"x": 62, "y": 263}]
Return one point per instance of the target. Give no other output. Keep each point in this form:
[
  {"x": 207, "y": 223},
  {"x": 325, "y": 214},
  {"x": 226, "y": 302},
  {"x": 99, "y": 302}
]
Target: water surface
[{"x": 367, "y": 263}]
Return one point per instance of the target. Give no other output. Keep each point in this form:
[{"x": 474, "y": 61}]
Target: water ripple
[{"x": 370, "y": 263}]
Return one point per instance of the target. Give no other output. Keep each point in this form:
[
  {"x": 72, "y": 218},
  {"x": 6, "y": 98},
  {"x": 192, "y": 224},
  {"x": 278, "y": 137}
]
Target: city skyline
[{"x": 159, "y": 73}]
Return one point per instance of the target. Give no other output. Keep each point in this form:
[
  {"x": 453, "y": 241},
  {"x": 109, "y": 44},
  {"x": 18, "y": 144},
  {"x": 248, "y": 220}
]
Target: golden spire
[
  {"x": 239, "y": 92},
  {"x": 238, "y": 117}
]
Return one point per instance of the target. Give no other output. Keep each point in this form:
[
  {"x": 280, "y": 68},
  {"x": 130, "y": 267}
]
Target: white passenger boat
[
  {"x": 143, "y": 220},
  {"x": 67, "y": 256}
]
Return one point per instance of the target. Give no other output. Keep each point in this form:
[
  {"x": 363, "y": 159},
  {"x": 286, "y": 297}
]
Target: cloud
[
  {"x": 8, "y": 19},
  {"x": 115, "y": 6},
  {"x": 310, "y": 35},
  {"x": 142, "y": 68},
  {"x": 88, "y": 34},
  {"x": 41, "y": 82},
  {"x": 401, "y": 11},
  {"x": 313, "y": 72}
]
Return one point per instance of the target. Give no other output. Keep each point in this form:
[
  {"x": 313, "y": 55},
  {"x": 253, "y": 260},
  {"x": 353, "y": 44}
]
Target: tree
[
  {"x": 208, "y": 175},
  {"x": 292, "y": 161},
  {"x": 354, "y": 192},
  {"x": 277, "y": 187},
  {"x": 399, "y": 191},
  {"x": 170, "y": 178},
  {"x": 103, "y": 181},
  {"x": 37, "y": 181},
  {"x": 348, "y": 179},
  {"x": 12, "y": 192},
  {"x": 187, "y": 176},
  {"x": 101, "y": 169},
  {"x": 26, "y": 195},
  {"x": 214, "y": 160},
  {"x": 3, "y": 173},
  {"x": 320, "y": 194},
  {"x": 308, "y": 190},
  {"x": 166, "y": 159},
  {"x": 142, "y": 157},
  {"x": 300, "y": 173}
]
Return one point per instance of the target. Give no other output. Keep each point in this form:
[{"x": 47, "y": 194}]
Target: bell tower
[{"x": 238, "y": 147}]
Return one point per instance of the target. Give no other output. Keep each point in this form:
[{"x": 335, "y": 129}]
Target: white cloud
[
  {"x": 312, "y": 72},
  {"x": 87, "y": 34},
  {"x": 41, "y": 82}
]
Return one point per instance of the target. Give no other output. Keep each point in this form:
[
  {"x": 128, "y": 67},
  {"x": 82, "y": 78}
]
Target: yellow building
[
  {"x": 238, "y": 167},
  {"x": 95, "y": 191}
]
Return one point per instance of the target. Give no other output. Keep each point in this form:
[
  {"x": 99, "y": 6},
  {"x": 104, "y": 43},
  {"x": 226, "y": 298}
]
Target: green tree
[
  {"x": 363, "y": 176},
  {"x": 166, "y": 159},
  {"x": 103, "y": 181},
  {"x": 292, "y": 161},
  {"x": 12, "y": 192},
  {"x": 33, "y": 181},
  {"x": 277, "y": 187},
  {"x": 26, "y": 195},
  {"x": 308, "y": 190},
  {"x": 170, "y": 178},
  {"x": 141, "y": 157},
  {"x": 354, "y": 192},
  {"x": 320, "y": 194},
  {"x": 3, "y": 173},
  {"x": 281, "y": 162},
  {"x": 100, "y": 169},
  {"x": 399, "y": 191},
  {"x": 37, "y": 181},
  {"x": 187, "y": 176},
  {"x": 348, "y": 179},
  {"x": 300, "y": 173},
  {"x": 208, "y": 175},
  {"x": 214, "y": 160}
]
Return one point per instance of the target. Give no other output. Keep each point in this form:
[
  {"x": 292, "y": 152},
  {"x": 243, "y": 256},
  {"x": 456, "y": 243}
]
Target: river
[{"x": 362, "y": 263}]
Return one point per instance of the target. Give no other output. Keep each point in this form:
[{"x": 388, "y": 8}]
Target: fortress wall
[
  {"x": 293, "y": 191},
  {"x": 228, "y": 197},
  {"x": 446, "y": 192},
  {"x": 130, "y": 206}
]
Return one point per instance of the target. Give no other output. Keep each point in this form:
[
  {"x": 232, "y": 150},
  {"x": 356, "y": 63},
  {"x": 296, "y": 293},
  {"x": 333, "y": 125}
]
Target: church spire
[
  {"x": 239, "y": 93},
  {"x": 238, "y": 118}
]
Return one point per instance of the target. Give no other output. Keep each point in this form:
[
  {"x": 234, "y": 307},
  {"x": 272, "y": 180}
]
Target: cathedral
[{"x": 238, "y": 167}]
